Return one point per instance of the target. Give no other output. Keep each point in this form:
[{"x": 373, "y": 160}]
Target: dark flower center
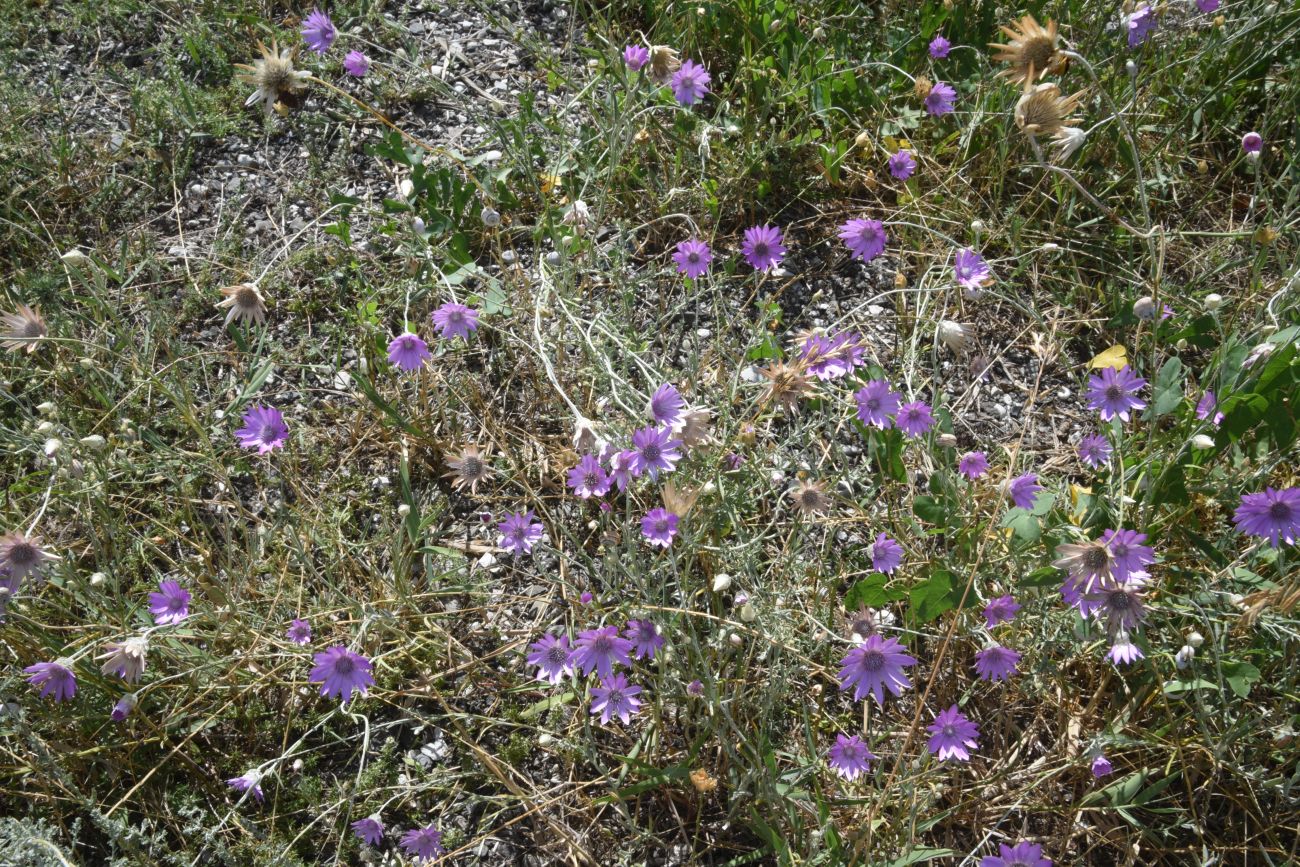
[
  {"x": 950, "y": 730},
  {"x": 1095, "y": 559},
  {"x": 661, "y": 525},
  {"x": 268, "y": 433},
  {"x": 602, "y": 645},
  {"x": 343, "y": 666},
  {"x": 22, "y": 554},
  {"x": 470, "y": 467},
  {"x": 873, "y": 403},
  {"x": 556, "y": 654},
  {"x": 650, "y": 453},
  {"x": 455, "y": 317},
  {"x": 873, "y": 661},
  {"x": 760, "y": 249},
  {"x": 590, "y": 480},
  {"x": 614, "y": 697},
  {"x": 1280, "y": 512},
  {"x": 1119, "y": 601},
  {"x": 693, "y": 257},
  {"x": 1119, "y": 550},
  {"x": 811, "y": 499},
  {"x": 1114, "y": 392}
]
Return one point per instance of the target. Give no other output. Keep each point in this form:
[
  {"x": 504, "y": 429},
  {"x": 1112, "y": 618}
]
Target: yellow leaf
[
  {"x": 549, "y": 182},
  {"x": 1077, "y": 491},
  {"x": 1116, "y": 357},
  {"x": 894, "y": 145}
]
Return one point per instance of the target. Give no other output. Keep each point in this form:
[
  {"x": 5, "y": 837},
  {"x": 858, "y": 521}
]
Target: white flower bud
[
  {"x": 721, "y": 582},
  {"x": 1145, "y": 308},
  {"x": 47, "y": 408},
  {"x": 405, "y": 188},
  {"x": 553, "y": 258},
  {"x": 75, "y": 258},
  {"x": 1131, "y": 68},
  {"x": 1183, "y": 658},
  {"x": 747, "y": 613},
  {"x": 403, "y": 510},
  {"x": 736, "y": 639},
  {"x": 418, "y": 225},
  {"x": 45, "y": 427},
  {"x": 1213, "y": 302},
  {"x": 490, "y": 216},
  {"x": 593, "y": 63},
  {"x": 1195, "y": 639},
  {"x": 94, "y": 441},
  {"x": 946, "y": 440},
  {"x": 953, "y": 335},
  {"x": 545, "y": 740},
  {"x": 709, "y": 488},
  {"x": 97, "y": 578},
  {"x": 977, "y": 226},
  {"x": 1181, "y": 344},
  {"x": 775, "y": 25},
  {"x": 1201, "y": 441},
  {"x": 51, "y": 446},
  {"x": 297, "y": 766}
]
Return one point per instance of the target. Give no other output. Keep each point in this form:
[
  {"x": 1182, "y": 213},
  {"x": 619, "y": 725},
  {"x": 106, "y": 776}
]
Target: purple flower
[
  {"x": 171, "y": 604},
  {"x": 666, "y": 405},
  {"x": 518, "y": 532},
  {"x": 636, "y": 56},
  {"x": 340, "y": 672},
  {"x": 588, "y": 478},
  {"x": 1000, "y": 610},
  {"x": 939, "y": 101},
  {"x": 369, "y": 830},
  {"x": 54, "y": 679},
  {"x": 621, "y": 468},
  {"x": 763, "y": 247},
  {"x": 408, "y": 352},
  {"x": 901, "y": 165},
  {"x": 865, "y": 239},
  {"x": 455, "y": 320},
  {"x": 1252, "y": 143},
  {"x": 1140, "y": 24},
  {"x": 1019, "y": 855},
  {"x": 875, "y": 665},
  {"x": 1119, "y": 605},
  {"x": 357, "y": 65},
  {"x": 693, "y": 257},
  {"x": 832, "y": 357},
  {"x": 973, "y": 465},
  {"x": 971, "y": 271},
  {"x": 690, "y": 83},
  {"x": 586, "y": 597},
  {"x": 1124, "y": 651},
  {"x": 123, "y": 706},
  {"x": 876, "y": 403},
  {"x": 1272, "y": 515},
  {"x": 1207, "y": 5},
  {"x": 886, "y": 554},
  {"x": 695, "y": 689},
  {"x": 939, "y": 47},
  {"x": 849, "y": 757},
  {"x": 952, "y": 735},
  {"x": 1072, "y": 594},
  {"x": 654, "y": 451},
  {"x": 264, "y": 429},
  {"x": 615, "y": 697},
  {"x": 299, "y": 632},
  {"x": 645, "y": 638},
  {"x": 1094, "y": 450},
  {"x": 733, "y": 461},
  {"x": 249, "y": 781},
  {"x": 996, "y": 663},
  {"x": 1101, "y": 767},
  {"x": 1024, "y": 490},
  {"x": 914, "y": 418},
  {"x": 599, "y": 650},
  {"x": 1114, "y": 392},
  {"x": 659, "y": 526},
  {"x": 1206, "y": 408},
  {"x": 423, "y": 844},
  {"x": 1127, "y": 553},
  {"x": 553, "y": 658},
  {"x": 318, "y": 31}
]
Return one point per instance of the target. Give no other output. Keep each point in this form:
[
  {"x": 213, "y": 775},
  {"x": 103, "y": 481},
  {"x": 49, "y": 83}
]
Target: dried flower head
[
  {"x": 22, "y": 555},
  {"x": 24, "y": 329},
  {"x": 1043, "y": 111},
  {"x": 470, "y": 467},
  {"x": 273, "y": 77},
  {"x": 695, "y": 427},
  {"x": 125, "y": 658},
  {"x": 1031, "y": 51},
  {"x": 244, "y": 302},
  {"x": 663, "y": 63},
  {"x": 810, "y": 498},
  {"x": 786, "y": 385}
]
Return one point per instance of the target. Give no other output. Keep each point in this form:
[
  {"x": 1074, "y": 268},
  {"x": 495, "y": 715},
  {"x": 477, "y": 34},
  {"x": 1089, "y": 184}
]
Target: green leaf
[
  {"x": 933, "y": 596},
  {"x": 767, "y": 349},
  {"x": 1169, "y": 387},
  {"x": 1023, "y": 524},
  {"x": 1240, "y": 675},
  {"x": 916, "y": 856},
  {"x": 871, "y": 592},
  {"x": 931, "y": 510},
  {"x": 1173, "y": 687}
]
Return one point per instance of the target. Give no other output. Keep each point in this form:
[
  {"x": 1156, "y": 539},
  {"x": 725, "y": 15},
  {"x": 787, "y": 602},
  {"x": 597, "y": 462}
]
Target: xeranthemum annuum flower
[
  {"x": 272, "y": 76},
  {"x": 1031, "y": 50},
  {"x": 1043, "y": 111}
]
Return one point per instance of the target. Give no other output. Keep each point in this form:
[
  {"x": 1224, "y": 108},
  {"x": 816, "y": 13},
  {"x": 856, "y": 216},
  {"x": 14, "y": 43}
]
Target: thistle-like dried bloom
[
  {"x": 470, "y": 467},
  {"x": 272, "y": 76},
  {"x": 810, "y": 498},
  {"x": 125, "y": 658},
  {"x": 21, "y": 555},
  {"x": 786, "y": 385},
  {"x": 1087, "y": 563},
  {"x": 1043, "y": 111},
  {"x": 24, "y": 329},
  {"x": 244, "y": 302},
  {"x": 1031, "y": 51},
  {"x": 663, "y": 63},
  {"x": 695, "y": 427}
]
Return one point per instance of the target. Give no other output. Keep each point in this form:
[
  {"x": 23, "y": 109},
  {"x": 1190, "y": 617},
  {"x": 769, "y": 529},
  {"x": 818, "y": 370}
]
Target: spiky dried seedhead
[
  {"x": 245, "y": 303},
  {"x": 24, "y": 329},
  {"x": 470, "y": 467},
  {"x": 272, "y": 76},
  {"x": 786, "y": 385},
  {"x": 810, "y": 498},
  {"x": 663, "y": 63},
  {"x": 1043, "y": 111},
  {"x": 1031, "y": 51}
]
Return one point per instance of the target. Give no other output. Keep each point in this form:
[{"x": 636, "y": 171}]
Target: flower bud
[
  {"x": 47, "y": 408},
  {"x": 96, "y": 578},
  {"x": 900, "y": 280},
  {"x": 418, "y": 225},
  {"x": 490, "y": 216},
  {"x": 741, "y": 598},
  {"x": 946, "y": 440},
  {"x": 124, "y": 706},
  {"x": 94, "y": 441},
  {"x": 1145, "y": 308},
  {"x": 1131, "y": 67},
  {"x": 775, "y": 25},
  {"x": 953, "y": 335},
  {"x": 863, "y": 139},
  {"x": 1195, "y": 639},
  {"x": 695, "y": 689},
  {"x": 52, "y": 445},
  {"x": 736, "y": 639},
  {"x": 45, "y": 427},
  {"x": 1202, "y": 442},
  {"x": 403, "y": 510},
  {"x": 1183, "y": 658},
  {"x": 721, "y": 582},
  {"x": 75, "y": 258},
  {"x": 1213, "y": 302},
  {"x": 747, "y": 613},
  {"x": 977, "y": 226}
]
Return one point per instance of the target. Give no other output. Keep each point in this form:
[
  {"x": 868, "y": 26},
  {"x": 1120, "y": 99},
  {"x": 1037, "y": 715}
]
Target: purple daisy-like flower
[
  {"x": 341, "y": 672},
  {"x": 599, "y": 650},
  {"x": 621, "y": 468},
  {"x": 1272, "y": 515},
  {"x": 973, "y": 465},
  {"x": 1123, "y": 651},
  {"x": 952, "y": 736},
  {"x": 1074, "y": 594},
  {"x": 1000, "y": 610},
  {"x": 264, "y": 429},
  {"x": 369, "y": 830},
  {"x": 763, "y": 247},
  {"x": 408, "y": 352},
  {"x": 914, "y": 418},
  {"x": 299, "y": 632},
  {"x": 645, "y": 638},
  {"x": 690, "y": 83},
  {"x": 250, "y": 781},
  {"x": 877, "y": 402},
  {"x": 636, "y": 56},
  {"x": 1019, "y": 855},
  {"x": 666, "y": 405},
  {"x": 171, "y": 604},
  {"x": 356, "y": 65},
  {"x": 939, "y": 101},
  {"x": 455, "y": 320},
  {"x": 615, "y": 697},
  {"x": 693, "y": 257},
  {"x": 849, "y": 757},
  {"x": 318, "y": 31},
  {"x": 123, "y": 706},
  {"x": 1119, "y": 605},
  {"x": 996, "y": 663},
  {"x": 901, "y": 165},
  {"x": 1023, "y": 490},
  {"x": 1140, "y": 24},
  {"x": 1252, "y": 143},
  {"x": 423, "y": 844},
  {"x": 830, "y": 358},
  {"x": 1101, "y": 767},
  {"x": 53, "y": 679},
  {"x": 659, "y": 526},
  {"x": 553, "y": 657},
  {"x": 1207, "y": 5},
  {"x": 1127, "y": 553},
  {"x": 654, "y": 451},
  {"x": 865, "y": 239},
  {"x": 1206, "y": 409},
  {"x": 518, "y": 533},
  {"x": 588, "y": 479},
  {"x": 876, "y": 665},
  {"x": 1094, "y": 450},
  {"x": 971, "y": 271},
  {"x": 886, "y": 554},
  {"x": 1114, "y": 393},
  {"x": 939, "y": 47}
]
